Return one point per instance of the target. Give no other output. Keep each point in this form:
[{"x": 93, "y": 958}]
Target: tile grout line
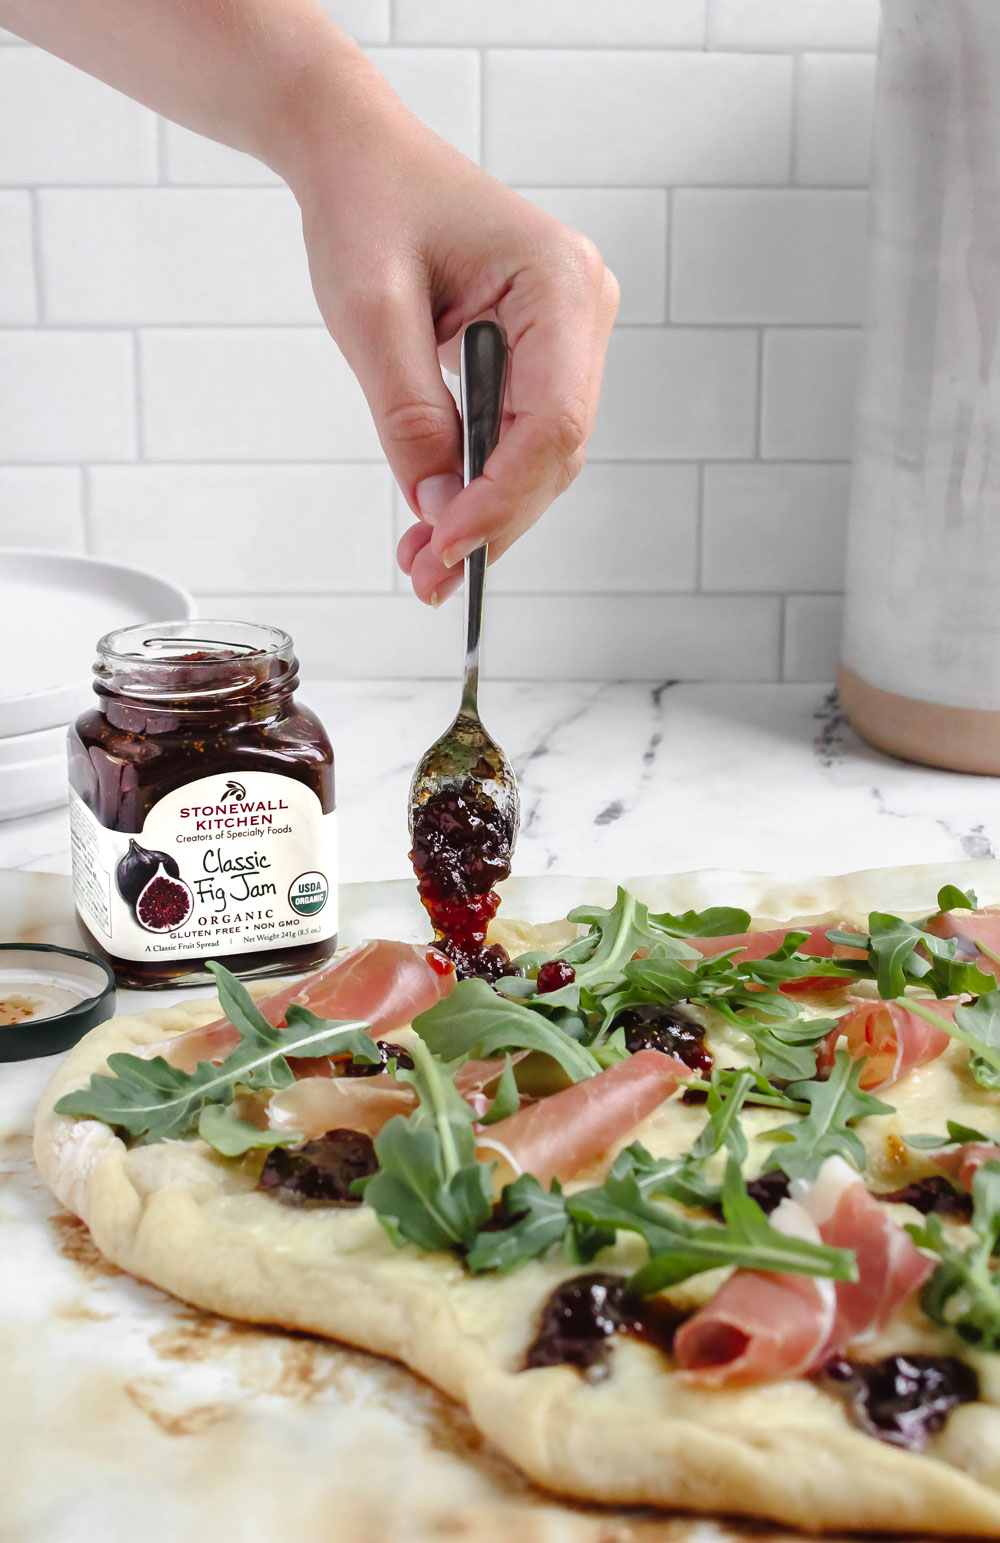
[
  {"x": 87, "y": 508},
  {"x": 162, "y": 178},
  {"x": 793, "y": 165},
  {"x": 37, "y": 266},
  {"x": 699, "y": 552},
  {"x": 137, "y": 399},
  {"x": 759, "y": 418},
  {"x": 668, "y": 262}
]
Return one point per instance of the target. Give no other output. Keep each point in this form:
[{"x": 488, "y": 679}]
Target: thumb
[{"x": 392, "y": 349}]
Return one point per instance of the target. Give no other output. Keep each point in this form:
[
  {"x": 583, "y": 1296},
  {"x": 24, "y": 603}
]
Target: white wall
[{"x": 167, "y": 396}]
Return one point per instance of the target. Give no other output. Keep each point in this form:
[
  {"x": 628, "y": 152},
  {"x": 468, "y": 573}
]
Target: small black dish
[{"x": 74, "y": 974}]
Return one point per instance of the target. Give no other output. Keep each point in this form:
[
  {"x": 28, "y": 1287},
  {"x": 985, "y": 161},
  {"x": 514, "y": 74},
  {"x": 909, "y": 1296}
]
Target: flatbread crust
[{"x": 192, "y": 1223}]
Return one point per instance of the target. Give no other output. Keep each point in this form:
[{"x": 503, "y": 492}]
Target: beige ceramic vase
[{"x": 920, "y": 663}]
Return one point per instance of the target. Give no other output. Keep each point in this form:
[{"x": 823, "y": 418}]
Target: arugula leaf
[
  {"x": 787, "y": 1051},
  {"x": 761, "y": 1090},
  {"x": 825, "y": 1130},
  {"x": 951, "y": 898},
  {"x": 536, "y": 1220},
  {"x": 977, "y": 1026},
  {"x": 473, "y": 1021},
  {"x": 429, "y": 1188},
  {"x": 674, "y": 1178},
  {"x": 964, "y": 1291},
  {"x": 719, "y": 921},
  {"x": 222, "y": 1128},
  {"x": 680, "y": 1248},
  {"x": 600, "y": 956},
  {"x": 983, "y": 1074},
  {"x": 902, "y": 955},
  {"x": 956, "y": 1134},
  {"x": 152, "y": 1099},
  {"x": 725, "y": 1100},
  {"x": 506, "y": 1100}
]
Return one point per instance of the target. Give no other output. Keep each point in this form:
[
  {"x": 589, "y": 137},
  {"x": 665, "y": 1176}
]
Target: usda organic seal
[{"x": 308, "y": 893}]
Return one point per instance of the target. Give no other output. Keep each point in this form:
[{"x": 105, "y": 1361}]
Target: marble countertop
[{"x": 627, "y": 778}]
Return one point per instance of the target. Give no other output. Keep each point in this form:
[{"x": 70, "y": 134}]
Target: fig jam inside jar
[{"x": 202, "y": 806}]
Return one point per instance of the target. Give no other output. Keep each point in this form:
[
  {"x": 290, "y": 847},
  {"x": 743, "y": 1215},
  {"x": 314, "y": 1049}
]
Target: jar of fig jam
[{"x": 202, "y": 806}]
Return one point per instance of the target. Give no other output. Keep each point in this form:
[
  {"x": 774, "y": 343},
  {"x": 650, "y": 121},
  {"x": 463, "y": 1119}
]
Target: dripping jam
[{"x": 461, "y": 850}]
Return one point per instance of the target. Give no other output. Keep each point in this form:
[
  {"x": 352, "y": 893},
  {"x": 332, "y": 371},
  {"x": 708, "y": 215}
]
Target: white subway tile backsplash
[
  {"x": 66, "y": 396},
  {"x": 18, "y": 303},
  {"x": 629, "y": 227},
  {"x": 162, "y": 255},
  {"x": 788, "y": 255},
  {"x": 809, "y": 388},
  {"x": 597, "y": 116},
  {"x": 246, "y": 394},
  {"x": 306, "y": 528},
  {"x": 625, "y": 637},
  {"x": 788, "y": 24},
  {"x": 774, "y": 527},
  {"x": 812, "y": 637},
  {"x": 833, "y": 125},
  {"x": 192, "y": 160},
  {"x": 158, "y": 331},
  {"x": 621, "y": 527},
  {"x": 642, "y": 23},
  {"x": 42, "y": 506},
  {"x": 58, "y": 125},
  {"x": 678, "y": 394}
]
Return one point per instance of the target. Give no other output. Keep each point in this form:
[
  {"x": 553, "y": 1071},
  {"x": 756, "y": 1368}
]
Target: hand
[{"x": 408, "y": 242}]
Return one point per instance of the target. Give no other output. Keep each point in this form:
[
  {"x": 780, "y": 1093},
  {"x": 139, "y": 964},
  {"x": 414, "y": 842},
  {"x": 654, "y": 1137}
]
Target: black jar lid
[{"x": 62, "y": 993}]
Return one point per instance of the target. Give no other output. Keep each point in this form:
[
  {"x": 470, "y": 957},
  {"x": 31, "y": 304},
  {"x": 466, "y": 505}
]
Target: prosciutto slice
[
  {"x": 382, "y": 983},
  {"x": 964, "y": 1161},
  {"x": 557, "y": 1136},
  {"x": 971, "y": 927},
  {"x": 759, "y": 1327},
  {"x": 757, "y": 945},
  {"x": 890, "y": 1266},
  {"x": 315, "y": 1104},
  {"x": 892, "y": 1040}
]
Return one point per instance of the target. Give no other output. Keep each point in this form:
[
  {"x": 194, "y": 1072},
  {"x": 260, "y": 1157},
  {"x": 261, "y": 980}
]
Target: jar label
[{"x": 222, "y": 866}]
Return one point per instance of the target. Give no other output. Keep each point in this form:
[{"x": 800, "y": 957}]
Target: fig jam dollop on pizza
[{"x": 671, "y": 1170}]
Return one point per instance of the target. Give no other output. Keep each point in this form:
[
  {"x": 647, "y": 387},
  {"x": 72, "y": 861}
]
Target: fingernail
[
  {"x": 443, "y": 592},
  {"x": 459, "y": 552},
  {"x": 434, "y": 493}
]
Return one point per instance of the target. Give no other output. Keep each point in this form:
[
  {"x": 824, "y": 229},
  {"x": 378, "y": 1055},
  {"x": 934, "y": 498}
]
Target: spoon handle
[{"x": 483, "y": 377}]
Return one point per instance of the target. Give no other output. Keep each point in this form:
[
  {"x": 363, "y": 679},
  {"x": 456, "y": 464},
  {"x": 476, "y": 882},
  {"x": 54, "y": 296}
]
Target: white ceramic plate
[
  {"x": 53, "y": 609},
  {"x": 28, "y": 787},
  {"x": 40, "y": 746}
]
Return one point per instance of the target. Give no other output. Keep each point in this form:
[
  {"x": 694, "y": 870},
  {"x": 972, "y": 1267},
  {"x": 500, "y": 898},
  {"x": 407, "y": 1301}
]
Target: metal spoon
[{"x": 466, "y": 752}]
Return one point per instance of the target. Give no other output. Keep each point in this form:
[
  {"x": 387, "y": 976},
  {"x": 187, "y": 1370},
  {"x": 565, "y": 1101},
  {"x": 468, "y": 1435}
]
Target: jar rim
[{"x": 231, "y": 636}]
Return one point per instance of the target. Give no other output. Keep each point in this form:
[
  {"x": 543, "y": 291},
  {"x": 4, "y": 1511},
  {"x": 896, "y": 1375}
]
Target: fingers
[
  {"x": 558, "y": 321},
  {"x": 389, "y": 342}
]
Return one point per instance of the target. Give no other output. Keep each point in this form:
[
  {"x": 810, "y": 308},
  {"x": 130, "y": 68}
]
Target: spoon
[{"x": 465, "y": 752}]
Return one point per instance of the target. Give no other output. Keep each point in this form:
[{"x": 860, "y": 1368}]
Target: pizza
[{"x": 689, "y": 1210}]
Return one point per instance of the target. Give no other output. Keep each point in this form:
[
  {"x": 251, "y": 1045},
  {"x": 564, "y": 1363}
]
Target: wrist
[{"x": 330, "y": 110}]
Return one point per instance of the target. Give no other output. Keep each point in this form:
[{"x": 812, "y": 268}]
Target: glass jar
[{"x": 202, "y": 806}]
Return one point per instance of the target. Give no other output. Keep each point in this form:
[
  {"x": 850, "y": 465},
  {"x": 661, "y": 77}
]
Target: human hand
[{"x": 408, "y": 242}]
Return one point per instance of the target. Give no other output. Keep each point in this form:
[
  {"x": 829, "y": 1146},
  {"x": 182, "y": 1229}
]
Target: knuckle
[
  {"x": 414, "y": 422},
  {"x": 583, "y": 257},
  {"x": 567, "y": 433}
]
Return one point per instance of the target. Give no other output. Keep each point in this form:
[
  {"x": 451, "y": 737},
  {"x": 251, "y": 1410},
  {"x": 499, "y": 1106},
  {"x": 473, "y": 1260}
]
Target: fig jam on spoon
[{"x": 464, "y": 808}]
